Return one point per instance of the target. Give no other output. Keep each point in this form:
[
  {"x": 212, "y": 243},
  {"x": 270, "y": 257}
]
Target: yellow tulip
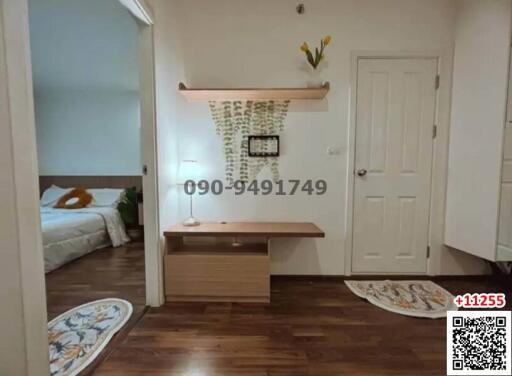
[
  {"x": 304, "y": 47},
  {"x": 327, "y": 40}
]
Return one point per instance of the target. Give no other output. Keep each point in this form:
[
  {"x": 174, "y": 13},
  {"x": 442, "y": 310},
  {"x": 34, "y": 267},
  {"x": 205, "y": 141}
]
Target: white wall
[
  {"x": 87, "y": 44},
  {"x": 85, "y": 63},
  {"x": 169, "y": 70},
  {"x": 88, "y": 132},
  {"x": 230, "y": 43},
  {"x": 477, "y": 125}
]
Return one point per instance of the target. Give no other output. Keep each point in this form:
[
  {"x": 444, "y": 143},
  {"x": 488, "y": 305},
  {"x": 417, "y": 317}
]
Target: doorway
[
  {"x": 93, "y": 92},
  {"x": 87, "y": 95},
  {"x": 394, "y": 135}
]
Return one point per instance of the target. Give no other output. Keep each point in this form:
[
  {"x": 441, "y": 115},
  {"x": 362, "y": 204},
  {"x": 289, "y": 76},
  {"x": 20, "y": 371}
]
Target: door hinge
[
  {"x": 144, "y": 170},
  {"x": 434, "y": 131},
  {"x": 428, "y": 251},
  {"x": 438, "y": 81}
]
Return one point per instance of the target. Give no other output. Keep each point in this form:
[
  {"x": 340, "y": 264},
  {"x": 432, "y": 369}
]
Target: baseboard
[
  {"x": 504, "y": 253},
  {"x": 232, "y": 299}
]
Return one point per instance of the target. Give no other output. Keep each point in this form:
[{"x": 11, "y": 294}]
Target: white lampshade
[{"x": 189, "y": 169}]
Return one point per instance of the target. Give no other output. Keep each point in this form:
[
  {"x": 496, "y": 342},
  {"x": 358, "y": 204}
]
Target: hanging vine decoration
[
  {"x": 234, "y": 122},
  {"x": 244, "y": 143}
]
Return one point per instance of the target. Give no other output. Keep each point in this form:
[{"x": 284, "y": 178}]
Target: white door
[{"x": 393, "y": 163}]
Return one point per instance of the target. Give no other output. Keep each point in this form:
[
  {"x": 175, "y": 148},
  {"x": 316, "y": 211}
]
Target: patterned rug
[
  {"x": 410, "y": 298},
  {"x": 77, "y": 336}
]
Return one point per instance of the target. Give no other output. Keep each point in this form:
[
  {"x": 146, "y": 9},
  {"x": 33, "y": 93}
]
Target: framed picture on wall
[{"x": 263, "y": 146}]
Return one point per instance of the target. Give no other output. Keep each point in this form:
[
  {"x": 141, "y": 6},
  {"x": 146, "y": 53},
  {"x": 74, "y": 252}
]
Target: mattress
[{"x": 69, "y": 234}]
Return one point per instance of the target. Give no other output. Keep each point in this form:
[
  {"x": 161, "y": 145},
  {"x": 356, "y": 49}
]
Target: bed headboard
[{"x": 90, "y": 182}]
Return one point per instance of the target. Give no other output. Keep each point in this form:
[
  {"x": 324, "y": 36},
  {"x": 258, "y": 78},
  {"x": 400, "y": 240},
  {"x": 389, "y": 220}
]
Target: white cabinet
[{"x": 478, "y": 201}]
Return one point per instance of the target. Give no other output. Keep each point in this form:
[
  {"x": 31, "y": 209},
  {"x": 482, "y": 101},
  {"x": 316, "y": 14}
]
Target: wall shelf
[{"x": 202, "y": 94}]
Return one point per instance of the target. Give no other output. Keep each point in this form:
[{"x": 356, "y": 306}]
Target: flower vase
[{"x": 315, "y": 78}]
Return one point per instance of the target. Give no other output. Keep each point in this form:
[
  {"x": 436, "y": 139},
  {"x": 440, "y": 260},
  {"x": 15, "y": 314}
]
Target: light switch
[{"x": 334, "y": 150}]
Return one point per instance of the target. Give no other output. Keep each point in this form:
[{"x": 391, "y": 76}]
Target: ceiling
[{"x": 82, "y": 45}]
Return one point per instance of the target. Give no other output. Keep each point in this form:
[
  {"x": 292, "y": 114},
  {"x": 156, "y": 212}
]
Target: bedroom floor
[
  {"x": 105, "y": 273},
  {"x": 312, "y": 327}
]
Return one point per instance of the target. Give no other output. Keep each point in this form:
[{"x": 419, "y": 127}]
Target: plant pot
[
  {"x": 134, "y": 233},
  {"x": 315, "y": 78}
]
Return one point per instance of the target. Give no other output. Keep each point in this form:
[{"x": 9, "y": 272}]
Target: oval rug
[
  {"x": 77, "y": 336},
  {"x": 411, "y": 298}
]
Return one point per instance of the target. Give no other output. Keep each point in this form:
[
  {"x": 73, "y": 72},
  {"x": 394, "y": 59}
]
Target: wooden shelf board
[
  {"x": 255, "y": 229},
  {"x": 222, "y": 248},
  {"x": 218, "y": 252},
  {"x": 218, "y": 94}
]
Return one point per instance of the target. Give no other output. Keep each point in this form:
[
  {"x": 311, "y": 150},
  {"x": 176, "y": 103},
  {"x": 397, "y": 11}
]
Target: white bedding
[{"x": 71, "y": 233}]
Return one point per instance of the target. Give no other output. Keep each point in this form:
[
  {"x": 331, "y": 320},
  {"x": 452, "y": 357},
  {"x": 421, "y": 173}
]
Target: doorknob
[{"x": 362, "y": 172}]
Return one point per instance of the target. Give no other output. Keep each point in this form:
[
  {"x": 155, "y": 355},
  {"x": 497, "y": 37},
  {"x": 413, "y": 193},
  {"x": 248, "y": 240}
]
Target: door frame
[
  {"x": 28, "y": 267},
  {"x": 152, "y": 253},
  {"x": 435, "y": 231},
  {"x": 25, "y": 287}
]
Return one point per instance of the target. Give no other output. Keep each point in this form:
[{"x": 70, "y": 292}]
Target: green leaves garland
[{"x": 234, "y": 122}]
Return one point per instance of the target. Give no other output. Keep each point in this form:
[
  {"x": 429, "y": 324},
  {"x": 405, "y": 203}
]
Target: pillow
[
  {"x": 78, "y": 198},
  {"x": 51, "y": 195},
  {"x": 109, "y": 197}
]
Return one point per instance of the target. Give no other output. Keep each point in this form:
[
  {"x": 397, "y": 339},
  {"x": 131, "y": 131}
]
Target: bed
[{"x": 71, "y": 233}]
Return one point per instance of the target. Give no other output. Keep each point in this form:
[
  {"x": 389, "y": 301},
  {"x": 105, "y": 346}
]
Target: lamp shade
[{"x": 189, "y": 170}]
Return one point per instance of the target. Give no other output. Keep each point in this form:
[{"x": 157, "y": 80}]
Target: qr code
[{"x": 478, "y": 343}]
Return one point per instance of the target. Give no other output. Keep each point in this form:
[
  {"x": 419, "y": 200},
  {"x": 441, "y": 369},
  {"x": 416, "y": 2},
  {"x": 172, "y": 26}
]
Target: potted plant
[
  {"x": 129, "y": 210},
  {"x": 315, "y": 60}
]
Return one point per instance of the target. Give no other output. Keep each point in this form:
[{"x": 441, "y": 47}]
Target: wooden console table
[{"x": 224, "y": 261}]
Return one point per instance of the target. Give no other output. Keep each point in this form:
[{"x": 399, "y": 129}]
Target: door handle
[{"x": 362, "y": 172}]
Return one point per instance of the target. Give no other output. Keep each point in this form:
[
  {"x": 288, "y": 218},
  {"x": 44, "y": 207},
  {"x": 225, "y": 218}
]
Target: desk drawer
[{"x": 217, "y": 277}]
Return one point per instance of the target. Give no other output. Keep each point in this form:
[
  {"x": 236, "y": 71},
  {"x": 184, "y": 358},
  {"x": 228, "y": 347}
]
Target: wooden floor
[
  {"x": 312, "y": 327},
  {"x": 106, "y": 273}
]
